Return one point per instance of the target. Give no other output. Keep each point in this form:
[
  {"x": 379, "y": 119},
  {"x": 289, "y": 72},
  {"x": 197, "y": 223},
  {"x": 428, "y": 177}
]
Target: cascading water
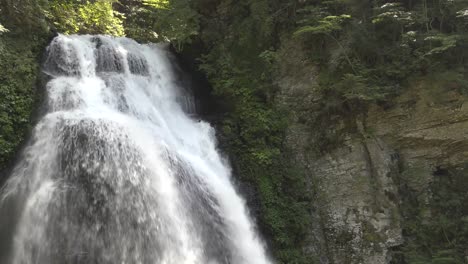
[{"x": 118, "y": 172}]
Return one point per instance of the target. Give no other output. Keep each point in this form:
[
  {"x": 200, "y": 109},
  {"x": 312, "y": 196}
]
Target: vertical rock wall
[{"x": 357, "y": 179}]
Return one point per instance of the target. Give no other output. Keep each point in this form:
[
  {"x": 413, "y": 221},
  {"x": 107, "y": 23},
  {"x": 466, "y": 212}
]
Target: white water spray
[{"x": 118, "y": 172}]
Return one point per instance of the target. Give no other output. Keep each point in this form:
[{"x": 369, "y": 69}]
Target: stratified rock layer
[{"x": 355, "y": 175}]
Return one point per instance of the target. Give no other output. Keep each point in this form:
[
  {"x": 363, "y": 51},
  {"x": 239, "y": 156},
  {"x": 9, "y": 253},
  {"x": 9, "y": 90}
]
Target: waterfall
[{"x": 118, "y": 171}]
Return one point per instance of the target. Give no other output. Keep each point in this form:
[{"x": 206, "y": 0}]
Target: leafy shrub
[{"x": 90, "y": 17}]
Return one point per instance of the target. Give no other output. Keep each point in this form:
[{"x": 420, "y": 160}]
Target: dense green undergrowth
[
  {"x": 18, "y": 61},
  {"x": 435, "y": 220},
  {"x": 241, "y": 63},
  {"x": 367, "y": 52},
  {"x": 22, "y": 41}
]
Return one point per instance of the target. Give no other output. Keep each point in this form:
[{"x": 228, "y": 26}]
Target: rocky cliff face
[{"x": 378, "y": 160}]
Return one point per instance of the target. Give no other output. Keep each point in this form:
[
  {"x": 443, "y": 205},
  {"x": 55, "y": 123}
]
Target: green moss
[
  {"x": 19, "y": 56},
  {"x": 370, "y": 234}
]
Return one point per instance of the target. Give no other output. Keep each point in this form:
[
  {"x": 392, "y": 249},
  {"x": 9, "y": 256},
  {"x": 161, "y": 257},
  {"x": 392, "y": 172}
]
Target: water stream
[{"x": 118, "y": 171}]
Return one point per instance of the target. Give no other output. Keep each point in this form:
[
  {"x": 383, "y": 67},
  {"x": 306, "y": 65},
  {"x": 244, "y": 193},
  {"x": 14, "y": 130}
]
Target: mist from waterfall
[{"x": 117, "y": 171}]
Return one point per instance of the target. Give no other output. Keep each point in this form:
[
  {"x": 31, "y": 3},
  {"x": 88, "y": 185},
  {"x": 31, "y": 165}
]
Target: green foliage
[
  {"x": 381, "y": 46},
  {"x": 440, "y": 43},
  {"x": 453, "y": 80},
  {"x": 327, "y": 25},
  {"x": 3, "y": 29},
  {"x": 160, "y": 4},
  {"x": 436, "y": 230},
  {"x": 90, "y": 17},
  {"x": 174, "y": 21},
  {"x": 18, "y": 59},
  {"x": 23, "y": 15},
  {"x": 393, "y": 13},
  {"x": 20, "y": 49},
  {"x": 241, "y": 64},
  {"x": 178, "y": 23},
  {"x": 356, "y": 87}
]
